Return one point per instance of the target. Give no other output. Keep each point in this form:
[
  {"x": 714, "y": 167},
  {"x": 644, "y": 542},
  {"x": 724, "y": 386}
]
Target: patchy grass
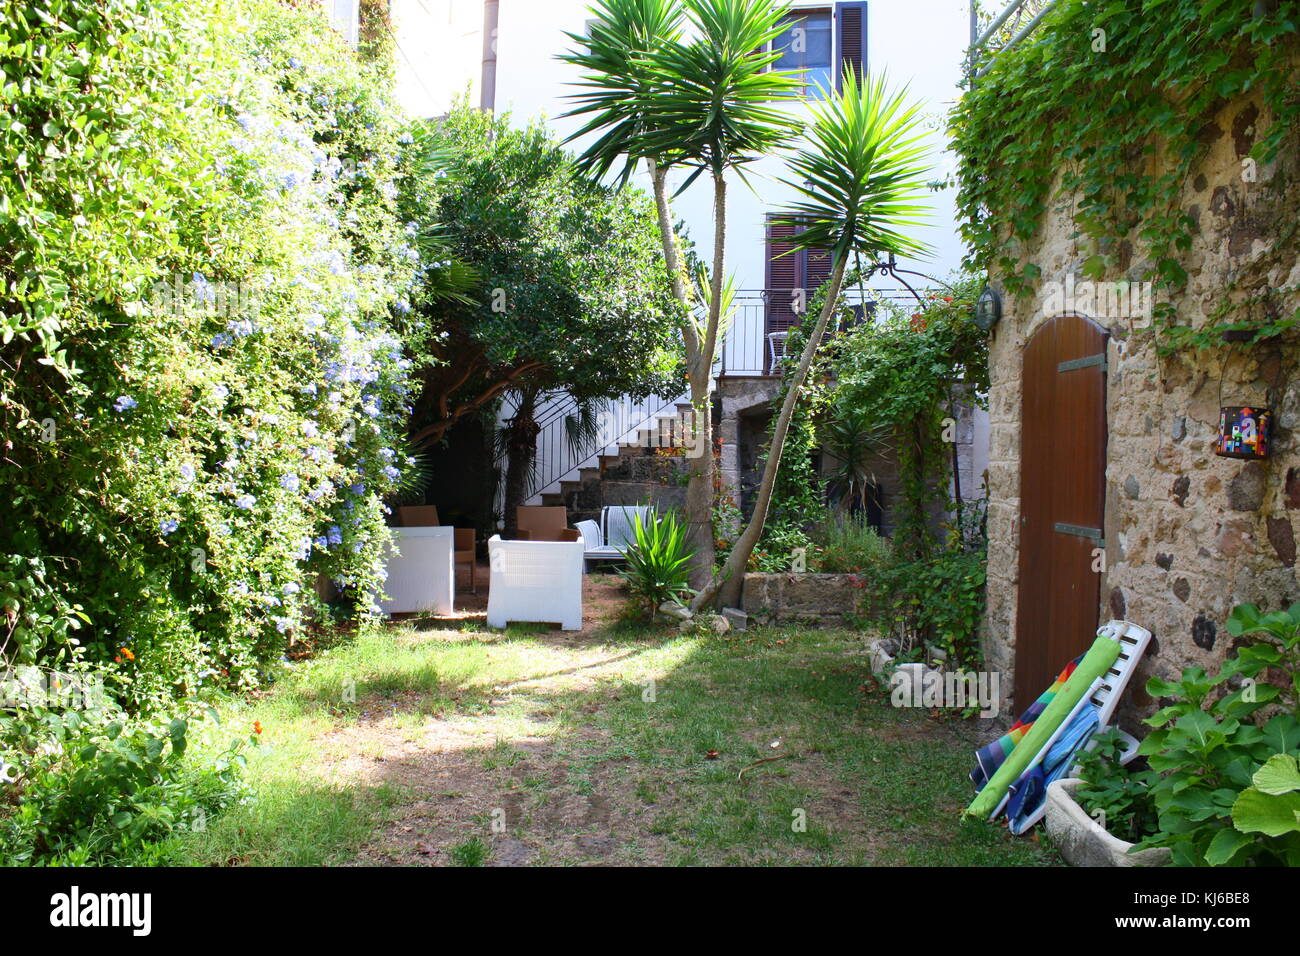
[{"x": 623, "y": 744}]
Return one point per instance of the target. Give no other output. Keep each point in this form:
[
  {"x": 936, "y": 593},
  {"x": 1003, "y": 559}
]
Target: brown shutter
[
  {"x": 851, "y": 32},
  {"x": 783, "y": 275},
  {"x": 817, "y": 269}
]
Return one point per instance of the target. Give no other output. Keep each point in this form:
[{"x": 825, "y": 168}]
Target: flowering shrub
[{"x": 201, "y": 395}]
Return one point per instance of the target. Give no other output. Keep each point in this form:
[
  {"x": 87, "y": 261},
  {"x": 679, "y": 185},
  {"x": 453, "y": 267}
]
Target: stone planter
[
  {"x": 1082, "y": 841},
  {"x": 881, "y": 654},
  {"x": 818, "y": 600}
]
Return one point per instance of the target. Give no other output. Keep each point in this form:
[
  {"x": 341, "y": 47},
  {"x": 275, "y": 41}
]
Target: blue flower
[
  {"x": 245, "y": 502},
  {"x": 290, "y": 482},
  {"x": 168, "y": 525},
  {"x": 124, "y": 403}
]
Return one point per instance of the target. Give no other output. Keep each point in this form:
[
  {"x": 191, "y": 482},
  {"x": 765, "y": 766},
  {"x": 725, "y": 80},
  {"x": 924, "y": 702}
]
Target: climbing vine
[
  {"x": 1114, "y": 97},
  {"x": 901, "y": 371}
]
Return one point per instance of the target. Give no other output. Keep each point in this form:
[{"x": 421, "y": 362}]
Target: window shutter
[
  {"x": 851, "y": 39},
  {"x": 782, "y": 276},
  {"x": 817, "y": 269}
]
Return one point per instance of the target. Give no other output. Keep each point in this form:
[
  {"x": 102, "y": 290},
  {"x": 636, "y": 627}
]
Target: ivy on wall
[{"x": 1115, "y": 97}]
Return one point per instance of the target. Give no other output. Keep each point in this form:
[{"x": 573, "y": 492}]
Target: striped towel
[
  {"x": 989, "y": 757},
  {"x": 1027, "y": 794}
]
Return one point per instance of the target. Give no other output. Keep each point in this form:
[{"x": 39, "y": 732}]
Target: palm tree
[
  {"x": 708, "y": 104},
  {"x": 859, "y": 179},
  {"x": 852, "y": 439}
]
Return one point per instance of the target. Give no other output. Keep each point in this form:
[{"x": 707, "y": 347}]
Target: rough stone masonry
[{"x": 1188, "y": 534}]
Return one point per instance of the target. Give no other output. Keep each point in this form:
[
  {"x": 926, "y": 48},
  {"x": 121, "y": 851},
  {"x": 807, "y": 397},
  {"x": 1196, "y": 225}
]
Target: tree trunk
[
  {"x": 699, "y": 369},
  {"x": 727, "y": 586},
  {"x": 521, "y": 448}
]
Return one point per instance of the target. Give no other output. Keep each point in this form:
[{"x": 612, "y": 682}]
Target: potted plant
[
  {"x": 1224, "y": 765},
  {"x": 1098, "y": 817}
]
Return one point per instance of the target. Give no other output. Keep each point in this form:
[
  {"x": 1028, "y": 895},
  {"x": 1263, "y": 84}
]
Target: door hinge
[
  {"x": 1081, "y": 531},
  {"x": 1086, "y": 362}
]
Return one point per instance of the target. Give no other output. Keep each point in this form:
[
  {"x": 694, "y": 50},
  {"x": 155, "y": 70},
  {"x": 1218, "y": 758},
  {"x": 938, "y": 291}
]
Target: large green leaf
[
  {"x": 1201, "y": 728},
  {"x": 1281, "y": 774},
  {"x": 863, "y": 172},
  {"x": 1257, "y": 812},
  {"x": 1225, "y": 845}
]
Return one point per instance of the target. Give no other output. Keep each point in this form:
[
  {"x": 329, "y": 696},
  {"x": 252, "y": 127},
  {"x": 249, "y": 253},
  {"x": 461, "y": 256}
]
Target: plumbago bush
[
  {"x": 199, "y": 384},
  {"x": 201, "y": 398}
]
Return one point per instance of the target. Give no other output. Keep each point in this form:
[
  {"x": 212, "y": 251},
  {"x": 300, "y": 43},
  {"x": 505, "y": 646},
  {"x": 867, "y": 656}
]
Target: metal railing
[
  {"x": 979, "y": 43},
  {"x": 753, "y": 348},
  {"x": 749, "y": 349},
  {"x": 558, "y": 458}
]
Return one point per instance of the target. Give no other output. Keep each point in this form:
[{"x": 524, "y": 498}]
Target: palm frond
[
  {"x": 862, "y": 172},
  {"x": 616, "y": 59}
]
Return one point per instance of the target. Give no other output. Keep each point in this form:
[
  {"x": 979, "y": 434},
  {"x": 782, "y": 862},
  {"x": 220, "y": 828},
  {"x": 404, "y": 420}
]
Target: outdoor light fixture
[
  {"x": 988, "y": 309},
  {"x": 1243, "y": 432}
]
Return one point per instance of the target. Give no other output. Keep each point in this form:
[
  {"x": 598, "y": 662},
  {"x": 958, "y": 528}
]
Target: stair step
[{"x": 552, "y": 499}]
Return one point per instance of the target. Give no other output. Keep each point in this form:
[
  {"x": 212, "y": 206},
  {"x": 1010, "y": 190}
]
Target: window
[
  {"x": 805, "y": 44},
  {"x": 793, "y": 278},
  {"x": 823, "y": 41}
]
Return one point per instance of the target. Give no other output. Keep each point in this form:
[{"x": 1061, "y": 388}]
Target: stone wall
[
  {"x": 1188, "y": 534},
  {"x": 812, "y": 599}
]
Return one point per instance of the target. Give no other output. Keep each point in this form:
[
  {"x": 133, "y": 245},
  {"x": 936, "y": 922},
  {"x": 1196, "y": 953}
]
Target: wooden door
[{"x": 1062, "y": 500}]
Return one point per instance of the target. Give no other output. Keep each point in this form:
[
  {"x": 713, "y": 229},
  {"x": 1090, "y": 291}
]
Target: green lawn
[{"x": 422, "y": 745}]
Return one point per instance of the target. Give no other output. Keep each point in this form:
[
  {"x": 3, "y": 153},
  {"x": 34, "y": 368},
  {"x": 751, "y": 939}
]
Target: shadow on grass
[{"x": 669, "y": 761}]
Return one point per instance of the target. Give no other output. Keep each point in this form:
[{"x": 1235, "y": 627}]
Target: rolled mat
[{"x": 1100, "y": 658}]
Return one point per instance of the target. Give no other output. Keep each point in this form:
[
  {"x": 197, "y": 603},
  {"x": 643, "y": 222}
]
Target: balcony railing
[{"x": 753, "y": 347}]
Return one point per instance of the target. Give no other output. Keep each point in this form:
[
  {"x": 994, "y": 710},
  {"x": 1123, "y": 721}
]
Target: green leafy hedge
[
  {"x": 1110, "y": 101},
  {"x": 200, "y": 393}
]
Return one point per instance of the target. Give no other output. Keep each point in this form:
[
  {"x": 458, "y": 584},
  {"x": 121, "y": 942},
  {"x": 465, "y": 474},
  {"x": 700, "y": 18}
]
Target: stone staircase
[{"x": 648, "y": 468}]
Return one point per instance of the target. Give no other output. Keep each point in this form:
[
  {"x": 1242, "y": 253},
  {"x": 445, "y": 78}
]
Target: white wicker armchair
[
  {"x": 535, "y": 581},
  {"x": 420, "y": 571}
]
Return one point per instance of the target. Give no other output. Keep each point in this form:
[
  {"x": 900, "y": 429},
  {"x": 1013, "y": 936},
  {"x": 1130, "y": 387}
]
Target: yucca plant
[
  {"x": 710, "y": 103},
  {"x": 659, "y": 561},
  {"x": 859, "y": 179}
]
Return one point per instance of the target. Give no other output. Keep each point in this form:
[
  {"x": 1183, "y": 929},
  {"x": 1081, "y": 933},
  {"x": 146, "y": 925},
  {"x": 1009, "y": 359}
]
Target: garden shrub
[
  {"x": 200, "y": 394},
  {"x": 936, "y": 602},
  {"x": 1113, "y": 795},
  {"x": 93, "y": 786},
  {"x": 849, "y": 544},
  {"x": 658, "y": 560},
  {"x": 1223, "y": 754}
]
